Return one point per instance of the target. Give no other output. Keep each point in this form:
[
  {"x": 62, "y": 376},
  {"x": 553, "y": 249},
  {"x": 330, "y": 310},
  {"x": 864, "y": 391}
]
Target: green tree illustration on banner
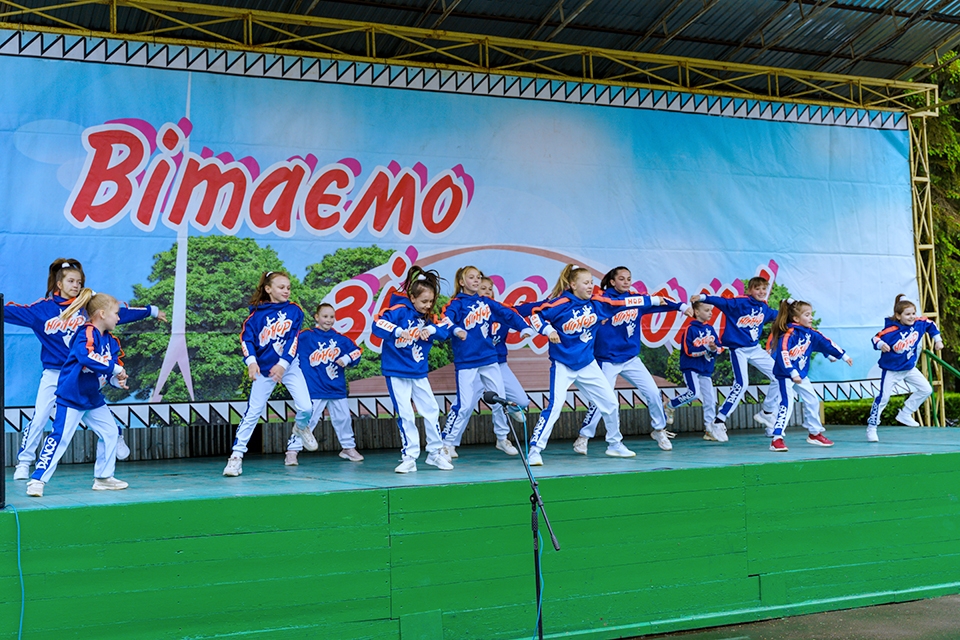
[{"x": 222, "y": 273}]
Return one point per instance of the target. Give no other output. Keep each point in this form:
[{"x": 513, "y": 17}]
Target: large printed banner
[{"x": 177, "y": 188}]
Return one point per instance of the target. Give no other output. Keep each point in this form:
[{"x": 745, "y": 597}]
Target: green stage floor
[{"x": 200, "y": 478}]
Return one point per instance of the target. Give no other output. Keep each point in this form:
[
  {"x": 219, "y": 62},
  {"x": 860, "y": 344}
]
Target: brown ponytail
[
  {"x": 58, "y": 270},
  {"x": 266, "y": 279},
  {"x": 900, "y": 305}
]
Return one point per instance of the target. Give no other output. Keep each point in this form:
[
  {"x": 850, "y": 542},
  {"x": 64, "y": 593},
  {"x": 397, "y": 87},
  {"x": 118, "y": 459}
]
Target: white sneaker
[
  {"x": 662, "y": 439},
  {"x": 35, "y": 489},
  {"x": 668, "y": 411},
  {"x": 22, "y": 472},
  {"x": 507, "y": 447},
  {"x": 409, "y": 465},
  {"x": 109, "y": 484},
  {"x": 720, "y": 431},
  {"x": 438, "y": 460},
  {"x": 905, "y": 418},
  {"x": 123, "y": 451},
  {"x": 352, "y": 455},
  {"x": 305, "y": 434},
  {"x": 580, "y": 445},
  {"x": 234, "y": 467},
  {"x": 450, "y": 451},
  {"x": 533, "y": 457},
  {"x": 766, "y": 419},
  {"x": 619, "y": 451},
  {"x": 872, "y": 434},
  {"x": 710, "y": 433},
  {"x": 290, "y": 459}
]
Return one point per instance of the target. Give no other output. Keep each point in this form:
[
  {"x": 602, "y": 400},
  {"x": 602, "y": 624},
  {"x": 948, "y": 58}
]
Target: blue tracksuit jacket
[
  {"x": 319, "y": 352},
  {"x": 270, "y": 334}
]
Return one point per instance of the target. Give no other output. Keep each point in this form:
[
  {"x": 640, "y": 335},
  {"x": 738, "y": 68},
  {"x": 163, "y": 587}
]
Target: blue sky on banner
[{"x": 671, "y": 195}]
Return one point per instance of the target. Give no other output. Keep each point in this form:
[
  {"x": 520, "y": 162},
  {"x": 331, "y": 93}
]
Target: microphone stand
[{"x": 536, "y": 502}]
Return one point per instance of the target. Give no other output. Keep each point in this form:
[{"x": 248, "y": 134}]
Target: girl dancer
[
  {"x": 746, "y": 316},
  {"x": 65, "y": 279},
  {"x": 617, "y": 350},
  {"x": 327, "y": 355},
  {"x": 93, "y": 359},
  {"x": 900, "y": 343},
  {"x": 511, "y": 385},
  {"x": 700, "y": 346},
  {"x": 794, "y": 341},
  {"x": 569, "y": 320},
  {"x": 269, "y": 345},
  {"x": 471, "y": 317},
  {"x": 407, "y": 336}
]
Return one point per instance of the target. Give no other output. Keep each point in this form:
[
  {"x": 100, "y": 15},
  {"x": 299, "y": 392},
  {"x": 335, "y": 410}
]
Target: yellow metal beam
[
  {"x": 195, "y": 24},
  {"x": 924, "y": 238}
]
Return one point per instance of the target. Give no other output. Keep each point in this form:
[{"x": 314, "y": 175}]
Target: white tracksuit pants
[
  {"x": 514, "y": 393},
  {"x": 259, "y": 394},
  {"x": 46, "y": 401},
  {"x": 471, "y": 384},
  {"x": 919, "y": 386},
  {"x": 339, "y": 417},
  {"x": 739, "y": 358},
  {"x": 43, "y": 409},
  {"x": 699, "y": 387},
  {"x": 811, "y": 406},
  {"x": 634, "y": 371},
  {"x": 403, "y": 392},
  {"x": 594, "y": 384},
  {"x": 64, "y": 426}
]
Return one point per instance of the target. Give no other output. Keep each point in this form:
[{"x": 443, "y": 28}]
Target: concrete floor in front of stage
[
  {"x": 197, "y": 478},
  {"x": 935, "y": 619}
]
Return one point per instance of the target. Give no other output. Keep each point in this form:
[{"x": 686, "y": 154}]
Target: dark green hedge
[{"x": 857, "y": 411}]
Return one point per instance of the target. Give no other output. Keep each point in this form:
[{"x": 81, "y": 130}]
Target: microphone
[{"x": 490, "y": 398}]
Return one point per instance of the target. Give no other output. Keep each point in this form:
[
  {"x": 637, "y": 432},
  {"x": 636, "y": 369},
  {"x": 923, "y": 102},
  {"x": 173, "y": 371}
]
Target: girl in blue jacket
[
  {"x": 325, "y": 354},
  {"x": 511, "y": 385},
  {"x": 408, "y": 330},
  {"x": 92, "y": 360},
  {"x": 65, "y": 279},
  {"x": 745, "y": 317},
  {"x": 699, "y": 348},
  {"x": 793, "y": 341},
  {"x": 900, "y": 342},
  {"x": 471, "y": 318},
  {"x": 570, "y": 320},
  {"x": 617, "y": 349},
  {"x": 269, "y": 344}
]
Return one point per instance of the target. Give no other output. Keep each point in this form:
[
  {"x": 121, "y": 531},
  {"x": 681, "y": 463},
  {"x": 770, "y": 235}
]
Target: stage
[{"x": 704, "y": 535}]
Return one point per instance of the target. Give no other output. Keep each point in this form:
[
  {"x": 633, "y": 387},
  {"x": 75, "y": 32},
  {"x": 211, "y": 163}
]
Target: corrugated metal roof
[{"x": 875, "y": 38}]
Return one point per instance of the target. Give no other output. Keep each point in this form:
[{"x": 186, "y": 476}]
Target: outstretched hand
[{"x": 162, "y": 315}]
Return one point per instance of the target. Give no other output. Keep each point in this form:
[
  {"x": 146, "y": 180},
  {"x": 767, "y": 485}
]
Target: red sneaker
[
  {"x": 820, "y": 440},
  {"x": 777, "y": 444}
]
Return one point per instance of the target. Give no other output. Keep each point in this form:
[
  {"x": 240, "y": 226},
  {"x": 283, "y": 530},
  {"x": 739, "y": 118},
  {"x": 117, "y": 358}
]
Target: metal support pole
[
  {"x": 3, "y": 420},
  {"x": 924, "y": 238}
]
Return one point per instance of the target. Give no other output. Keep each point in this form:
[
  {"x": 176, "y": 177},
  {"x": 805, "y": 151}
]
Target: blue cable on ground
[
  {"x": 23, "y": 597},
  {"x": 536, "y": 627}
]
